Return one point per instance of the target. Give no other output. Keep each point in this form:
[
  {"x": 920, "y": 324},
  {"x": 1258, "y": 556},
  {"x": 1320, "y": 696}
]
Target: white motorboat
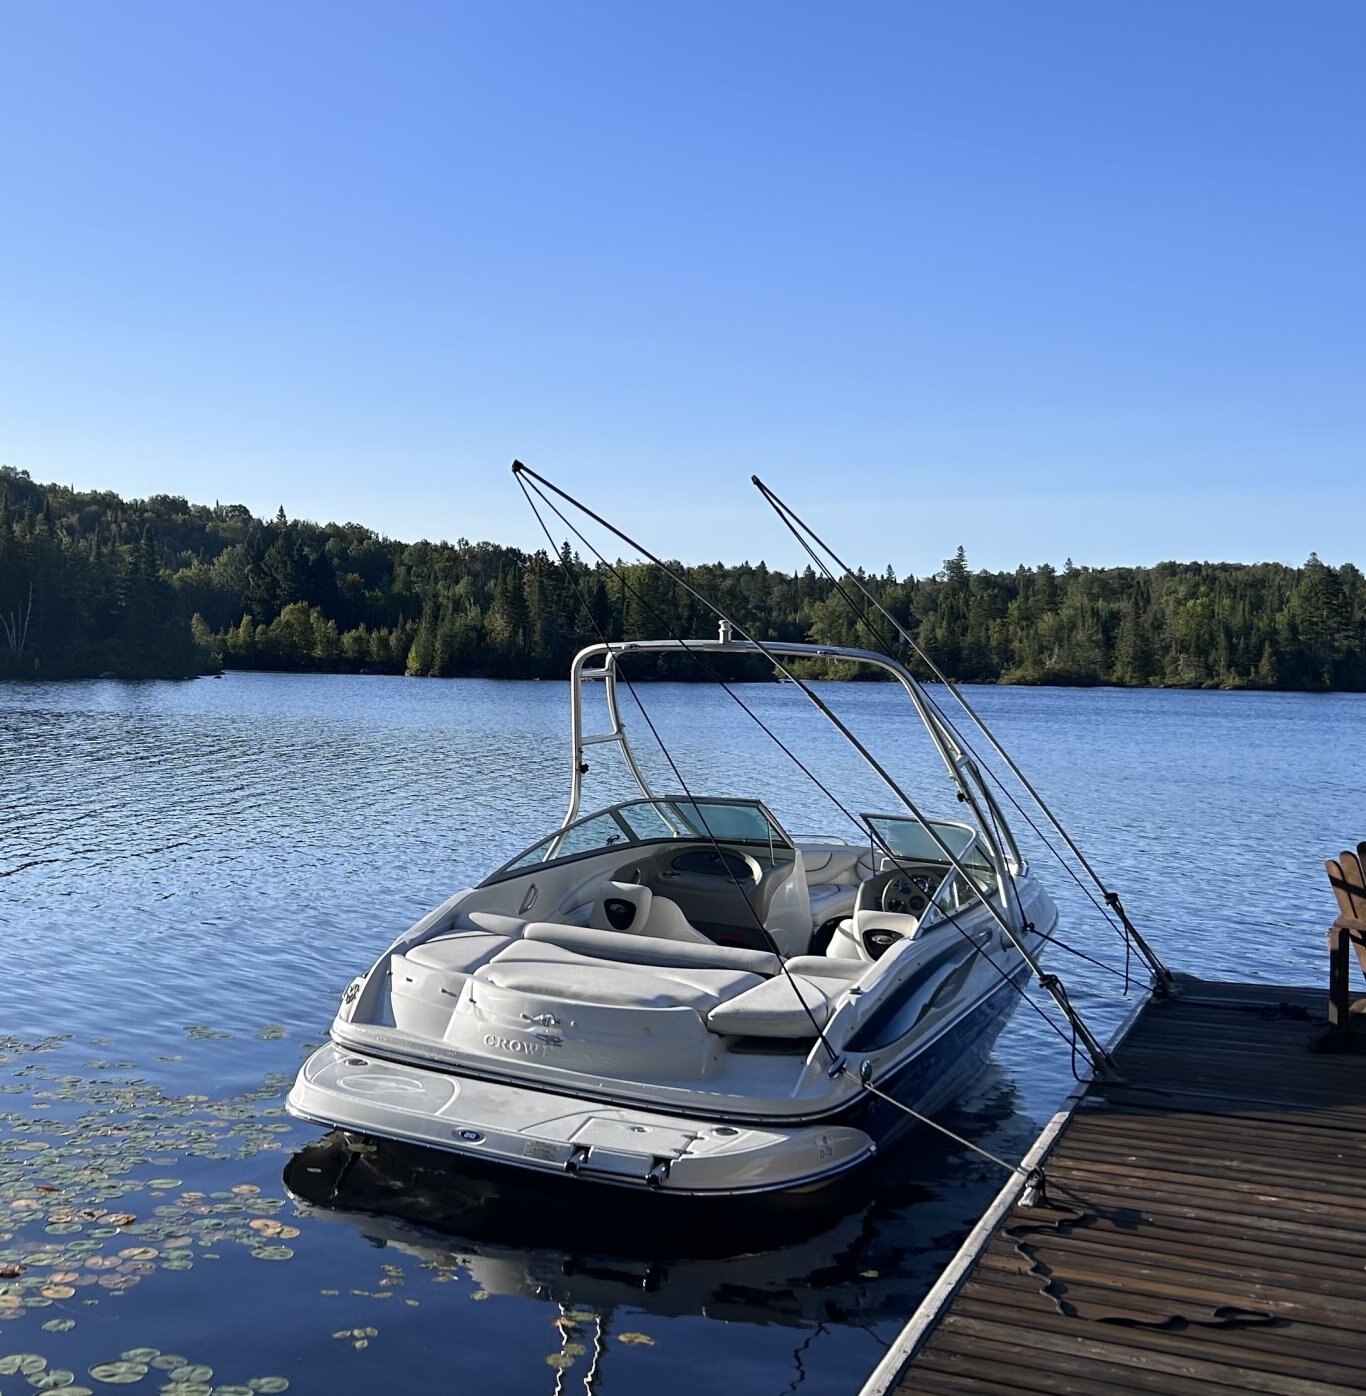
[{"x": 675, "y": 993}]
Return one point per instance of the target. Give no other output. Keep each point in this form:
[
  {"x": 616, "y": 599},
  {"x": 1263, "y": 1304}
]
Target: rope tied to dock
[{"x": 866, "y": 1082}]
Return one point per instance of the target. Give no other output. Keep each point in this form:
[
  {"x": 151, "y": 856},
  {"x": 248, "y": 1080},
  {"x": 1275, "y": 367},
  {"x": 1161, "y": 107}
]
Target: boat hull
[{"x": 536, "y": 1131}]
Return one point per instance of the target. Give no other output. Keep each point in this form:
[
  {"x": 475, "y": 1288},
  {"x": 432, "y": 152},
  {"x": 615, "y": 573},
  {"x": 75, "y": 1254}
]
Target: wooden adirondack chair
[{"x": 1347, "y": 877}]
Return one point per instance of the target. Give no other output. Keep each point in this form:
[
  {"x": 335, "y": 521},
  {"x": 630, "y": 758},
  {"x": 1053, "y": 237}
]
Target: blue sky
[{"x": 1044, "y": 279}]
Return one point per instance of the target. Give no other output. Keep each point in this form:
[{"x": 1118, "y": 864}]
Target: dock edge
[{"x": 922, "y": 1322}]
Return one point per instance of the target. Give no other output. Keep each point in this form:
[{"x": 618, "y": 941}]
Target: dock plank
[{"x": 1206, "y": 1226}]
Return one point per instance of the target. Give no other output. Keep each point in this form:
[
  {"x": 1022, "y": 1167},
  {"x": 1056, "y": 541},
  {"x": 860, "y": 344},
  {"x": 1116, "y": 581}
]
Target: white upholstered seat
[
  {"x": 646, "y": 950},
  {"x": 788, "y": 1005}
]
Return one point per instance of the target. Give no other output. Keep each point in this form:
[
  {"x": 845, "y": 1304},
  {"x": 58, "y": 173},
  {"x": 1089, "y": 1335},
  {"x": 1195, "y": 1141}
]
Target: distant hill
[{"x": 92, "y": 584}]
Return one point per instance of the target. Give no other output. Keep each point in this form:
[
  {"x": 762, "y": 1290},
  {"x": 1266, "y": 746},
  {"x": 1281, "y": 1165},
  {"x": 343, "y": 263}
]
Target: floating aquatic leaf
[
  {"x": 267, "y": 1226},
  {"x": 636, "y": 1338},
  {"x": 560, "y": 1361},
  {"x": 232, "y": 1391},
  {"x": 140, "y": 1354},
  {"x": 269, "y": 1386},
  {"x": 59, "y": 1325},
  {"x": 24, "y": 1362},
  {"x": 169, "y": 1361},
  {"x": 122, "y": 1373},
  {"x": 479, "y": 1294},
  {"x": 52, "y": 1379},
  {"x": 273, "y": 1253},
  {"x": 194, "y": 1371},
  {"x": 57, "y": 1291},
  {"x": 163, "y": 1183}
]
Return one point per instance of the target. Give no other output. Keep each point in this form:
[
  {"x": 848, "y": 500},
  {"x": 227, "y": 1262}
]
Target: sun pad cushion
[
  {"x": 551, "y": 971},
  {"x": 825, "y": 966},
  {"x": 461, "y": 953}
]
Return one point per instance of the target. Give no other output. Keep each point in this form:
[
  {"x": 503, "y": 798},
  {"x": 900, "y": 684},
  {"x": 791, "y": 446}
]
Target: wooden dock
[{"x": 1204, "y": 1229}]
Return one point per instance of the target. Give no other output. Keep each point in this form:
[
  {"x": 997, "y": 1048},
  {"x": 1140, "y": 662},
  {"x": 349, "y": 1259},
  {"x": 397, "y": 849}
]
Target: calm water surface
[{"x": 190, "y": 873}]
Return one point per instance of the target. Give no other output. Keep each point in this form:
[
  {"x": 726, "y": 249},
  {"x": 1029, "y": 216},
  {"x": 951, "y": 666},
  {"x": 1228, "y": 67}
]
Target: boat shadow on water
[{"x": 855, "y": 1252}]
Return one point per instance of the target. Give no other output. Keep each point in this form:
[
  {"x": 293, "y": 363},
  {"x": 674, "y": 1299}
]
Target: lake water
[{"x": 190, "y": 874}]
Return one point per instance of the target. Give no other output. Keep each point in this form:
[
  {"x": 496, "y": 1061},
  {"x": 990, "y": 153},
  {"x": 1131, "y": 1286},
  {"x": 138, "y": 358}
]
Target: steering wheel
[{"x": 903, "y": 896}]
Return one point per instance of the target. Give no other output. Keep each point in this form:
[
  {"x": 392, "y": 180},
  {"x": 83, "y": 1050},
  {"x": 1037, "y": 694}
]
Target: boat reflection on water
[{"x": 860, "y": 1257}]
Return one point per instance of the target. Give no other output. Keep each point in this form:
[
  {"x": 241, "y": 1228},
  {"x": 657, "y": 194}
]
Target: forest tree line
[{"x": 93, "y": 584}]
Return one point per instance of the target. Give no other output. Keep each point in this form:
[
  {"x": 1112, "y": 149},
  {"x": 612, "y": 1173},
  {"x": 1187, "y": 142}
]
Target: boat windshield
[
  {"x": 908, "y": 837},
  {"x": 653, "y": 821}
]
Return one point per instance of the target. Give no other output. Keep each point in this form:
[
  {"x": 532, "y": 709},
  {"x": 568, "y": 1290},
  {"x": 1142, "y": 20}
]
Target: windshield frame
[
  {"x": 685, "y": 815},
  {"x": 950, "y": 830}
]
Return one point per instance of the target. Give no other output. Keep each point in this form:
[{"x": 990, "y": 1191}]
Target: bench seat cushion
[
  {"x": 773, "y": 1009},
  {"x": 646, "y": 950},
  {"x": 496, "y": 923}
]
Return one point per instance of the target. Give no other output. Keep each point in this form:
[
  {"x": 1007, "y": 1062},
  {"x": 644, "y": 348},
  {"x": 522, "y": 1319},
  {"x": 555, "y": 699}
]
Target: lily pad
[
  {"x": 23, "y": 1362},
  {"x": 53, "y": 1379},
  {"x": 122, "y": 1373},
  {"x": 194, "y": 1371}
]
